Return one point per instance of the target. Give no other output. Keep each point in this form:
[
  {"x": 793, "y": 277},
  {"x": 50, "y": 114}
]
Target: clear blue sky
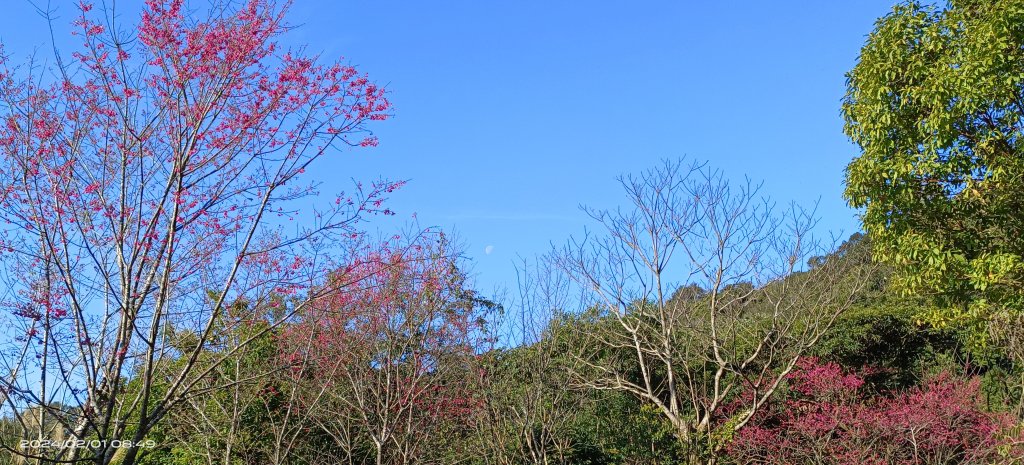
[{"x": 509, "y": 115}]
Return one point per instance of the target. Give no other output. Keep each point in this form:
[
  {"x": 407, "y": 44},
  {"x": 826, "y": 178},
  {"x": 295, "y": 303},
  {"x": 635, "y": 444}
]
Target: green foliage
[
  {"x": 235, "y": 400},
  {"x": 618, "y": 429},
  {"x": 936, "y": 103},
  {"x": 888, "y": 336}
]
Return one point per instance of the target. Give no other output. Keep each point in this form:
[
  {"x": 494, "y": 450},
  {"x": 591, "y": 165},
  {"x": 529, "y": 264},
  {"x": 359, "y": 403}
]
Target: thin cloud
[{"x": 512, "y": 217}]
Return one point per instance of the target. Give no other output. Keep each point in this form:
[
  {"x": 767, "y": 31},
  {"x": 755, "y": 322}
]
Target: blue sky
[{"x": 509, "y": 115}]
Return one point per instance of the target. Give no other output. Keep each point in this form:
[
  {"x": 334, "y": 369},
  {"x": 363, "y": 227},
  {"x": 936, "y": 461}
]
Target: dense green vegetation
[{"x": 529, "y": 404}]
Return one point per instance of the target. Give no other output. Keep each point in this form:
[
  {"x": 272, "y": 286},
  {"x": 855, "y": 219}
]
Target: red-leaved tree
[
  {"x": 390, "y": 360},
  {"x": 147, "y": 182},
  {"x": 829, "y": 418}
]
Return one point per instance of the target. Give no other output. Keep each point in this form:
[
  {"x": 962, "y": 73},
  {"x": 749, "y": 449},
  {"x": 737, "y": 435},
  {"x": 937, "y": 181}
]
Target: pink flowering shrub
[{"x": 830, "y": 418}]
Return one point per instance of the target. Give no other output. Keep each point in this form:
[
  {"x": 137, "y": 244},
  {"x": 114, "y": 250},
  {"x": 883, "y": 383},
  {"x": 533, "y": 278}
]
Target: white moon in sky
[{"x": 489, "y": 249}]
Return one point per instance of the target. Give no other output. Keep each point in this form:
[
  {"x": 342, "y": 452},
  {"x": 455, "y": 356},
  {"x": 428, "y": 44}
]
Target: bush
[{"x": 829, "y": 417}]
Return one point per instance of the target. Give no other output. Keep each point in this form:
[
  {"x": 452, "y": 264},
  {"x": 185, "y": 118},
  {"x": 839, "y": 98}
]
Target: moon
[{"x": 488, "y": 249}]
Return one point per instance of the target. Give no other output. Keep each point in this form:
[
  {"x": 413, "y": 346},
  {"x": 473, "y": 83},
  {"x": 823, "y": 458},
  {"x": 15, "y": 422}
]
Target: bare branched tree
[
  {"x": 528, "y": 405},
  {"x": 701, "y": 298}
]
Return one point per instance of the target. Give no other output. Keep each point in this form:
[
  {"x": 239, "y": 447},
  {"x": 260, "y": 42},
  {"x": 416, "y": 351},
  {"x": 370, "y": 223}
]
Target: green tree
[
  {"x": 935, "y": 103},
  {"x": 225, "y": 420}
]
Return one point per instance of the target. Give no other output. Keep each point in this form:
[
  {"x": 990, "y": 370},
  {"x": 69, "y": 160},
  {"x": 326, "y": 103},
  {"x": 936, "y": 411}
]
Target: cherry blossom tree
[
  {"x": 149, "y": 182},
  {"x": 391, "y": 360}
]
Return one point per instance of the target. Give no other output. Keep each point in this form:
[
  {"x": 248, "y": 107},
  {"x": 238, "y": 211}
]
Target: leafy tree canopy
[{"x": 936, "y": 103}]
